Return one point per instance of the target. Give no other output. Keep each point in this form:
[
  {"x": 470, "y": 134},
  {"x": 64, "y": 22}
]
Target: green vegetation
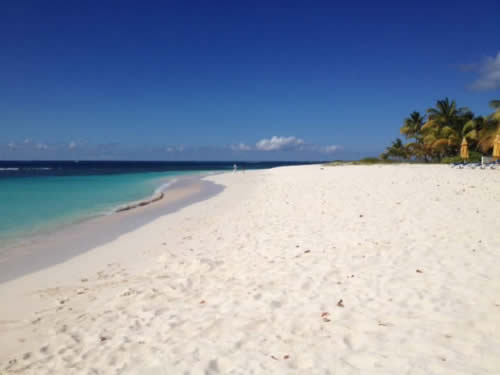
[
  {"x": 436, "y": 136},
  {"x": 369, "y": 160},
  {"x": 373, "y": 160},
  {"x": 364, "y": 161},
  {"x": 474, "y": 157}
]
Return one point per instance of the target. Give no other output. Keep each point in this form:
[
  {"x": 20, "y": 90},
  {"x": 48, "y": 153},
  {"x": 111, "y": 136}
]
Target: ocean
[{"x": 42, "y": 196}]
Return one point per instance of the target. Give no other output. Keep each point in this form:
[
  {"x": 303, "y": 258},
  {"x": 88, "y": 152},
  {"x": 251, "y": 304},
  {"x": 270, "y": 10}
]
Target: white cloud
[
  {"x": 42, "y": 146},
  {"x": 489, "y": 74},
  {"x": 330, "y": 149},
  {"x": 279, "y": 144},
  {"x": 294, "y": 147},
  {"x": 174, "y": 148},
  {"x": 240, "y": 147}
]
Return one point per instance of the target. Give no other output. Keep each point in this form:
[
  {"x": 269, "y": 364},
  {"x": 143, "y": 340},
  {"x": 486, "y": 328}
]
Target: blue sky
[{"x": 234, "y": 80}]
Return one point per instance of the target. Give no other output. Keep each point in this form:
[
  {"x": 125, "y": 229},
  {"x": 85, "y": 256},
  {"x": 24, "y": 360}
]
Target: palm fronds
[{"x": 440, "y": 131}]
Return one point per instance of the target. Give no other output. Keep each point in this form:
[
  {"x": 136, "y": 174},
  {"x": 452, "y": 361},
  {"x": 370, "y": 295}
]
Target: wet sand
[{"x": 48, "y": 249}]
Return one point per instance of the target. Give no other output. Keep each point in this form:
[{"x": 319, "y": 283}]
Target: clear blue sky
[{"x": 216, "y": 79}]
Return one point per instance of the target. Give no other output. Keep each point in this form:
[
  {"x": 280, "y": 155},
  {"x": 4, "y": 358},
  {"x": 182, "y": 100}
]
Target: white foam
[
  {"x": 165, "y": 186},
  {"x": 26, "y": 169}
]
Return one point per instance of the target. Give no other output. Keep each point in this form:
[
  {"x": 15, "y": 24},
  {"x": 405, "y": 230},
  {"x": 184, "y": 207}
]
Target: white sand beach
[{"x": 294, "y": 270}]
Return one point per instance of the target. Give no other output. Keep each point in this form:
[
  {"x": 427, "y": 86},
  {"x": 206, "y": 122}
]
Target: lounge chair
[
  {"x": 473, "y": 165},
  {"x": 468, "y": 165},
  {"x": 491, "y": 165}
]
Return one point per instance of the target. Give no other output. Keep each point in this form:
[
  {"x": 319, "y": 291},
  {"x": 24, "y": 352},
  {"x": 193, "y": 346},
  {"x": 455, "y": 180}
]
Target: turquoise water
[{"x": 34, "y": 205}]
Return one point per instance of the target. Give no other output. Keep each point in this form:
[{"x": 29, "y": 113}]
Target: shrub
[
  {"x": 474, "y": 157},
  {"x": 374, "y": 160},
  {"x": 370, "y": 160}
]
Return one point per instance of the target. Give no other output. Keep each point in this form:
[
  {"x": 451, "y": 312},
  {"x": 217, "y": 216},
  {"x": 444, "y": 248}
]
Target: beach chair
[
  {"x": 491, "y": 165},
  {"x": 473, "y": 165},
  {"x": 468, "y": 165}
]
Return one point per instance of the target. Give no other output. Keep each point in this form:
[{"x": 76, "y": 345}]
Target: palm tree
[
  {"x": 396, "y": 151},
  {"x": 443, "y": 131},
  {"x": 412, "y": 129},
  {"x": 472, "y": 129},
  {"x": 413, "y": 125},
  {"x": 490, "y": 128},
  {"x": 495, "y": 104},
  {"x": 446, "y": 112}
]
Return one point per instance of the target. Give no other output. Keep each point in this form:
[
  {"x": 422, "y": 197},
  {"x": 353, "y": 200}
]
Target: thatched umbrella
[
  {"x": 464, "y": 150},
  {"x": 496, "y": 147}
]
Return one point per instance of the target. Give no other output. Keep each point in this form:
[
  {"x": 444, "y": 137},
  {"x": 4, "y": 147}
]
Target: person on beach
[{"x": 235, "y": 168}]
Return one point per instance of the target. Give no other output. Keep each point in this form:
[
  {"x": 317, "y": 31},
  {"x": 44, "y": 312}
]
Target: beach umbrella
[
  {"x": 496, "y": 147},
  {"x": 464, "y": 150}
]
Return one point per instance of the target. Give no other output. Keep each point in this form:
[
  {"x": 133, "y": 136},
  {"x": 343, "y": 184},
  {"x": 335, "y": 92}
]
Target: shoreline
[
  {"x": 18, "y": 237},
  {"x": 46, "y": 249}
]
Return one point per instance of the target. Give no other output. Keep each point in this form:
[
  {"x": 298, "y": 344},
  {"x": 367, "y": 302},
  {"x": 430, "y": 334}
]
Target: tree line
[{"x": 436, "y": 135}]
